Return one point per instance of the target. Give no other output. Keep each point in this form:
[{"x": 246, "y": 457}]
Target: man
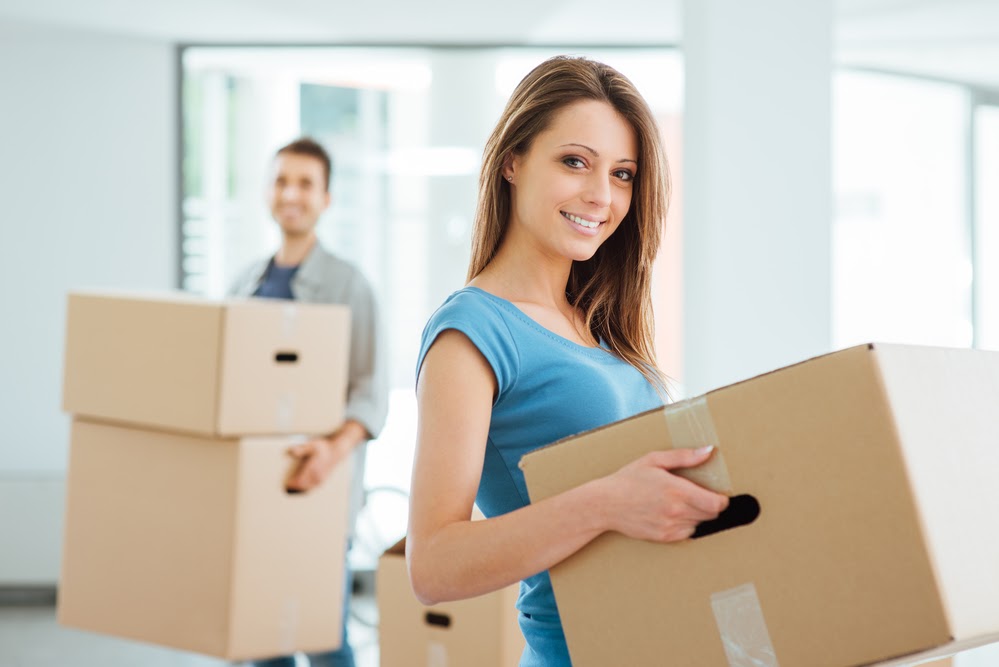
[{"x": 303, "y": 270}]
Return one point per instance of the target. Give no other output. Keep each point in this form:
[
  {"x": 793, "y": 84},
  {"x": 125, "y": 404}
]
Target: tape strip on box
[
  {"x": 436, "y": 655},
  {"x": 690, "y": 426},
  {"x": 288, "y": 622},
  {"x": 289, "y": 323},
  {"x": 742, "y": 627},
  {"x": 284, "y": 415}
]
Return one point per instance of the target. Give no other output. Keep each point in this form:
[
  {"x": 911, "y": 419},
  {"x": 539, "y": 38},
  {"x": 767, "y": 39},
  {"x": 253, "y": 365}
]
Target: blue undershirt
[{"x": 277, "y": 282}]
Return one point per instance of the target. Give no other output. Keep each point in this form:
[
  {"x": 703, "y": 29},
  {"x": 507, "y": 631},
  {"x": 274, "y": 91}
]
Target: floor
[{"x": 30, "y": 637}]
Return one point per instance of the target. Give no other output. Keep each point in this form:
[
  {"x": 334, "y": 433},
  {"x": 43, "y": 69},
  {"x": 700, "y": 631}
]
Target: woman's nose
[{"x": 598, "y": 190}]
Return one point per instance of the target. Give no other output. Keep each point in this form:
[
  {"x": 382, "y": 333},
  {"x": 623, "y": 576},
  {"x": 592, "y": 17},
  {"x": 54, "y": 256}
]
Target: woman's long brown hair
[{"x": 613, "y": 288}]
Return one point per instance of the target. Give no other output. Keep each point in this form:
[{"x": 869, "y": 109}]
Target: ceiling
[
  {"x": 949, "y": 39},
  {"x": 381, "y": 21}
]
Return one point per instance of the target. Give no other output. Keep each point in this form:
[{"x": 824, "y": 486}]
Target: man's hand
[{"x": 318, "y": 457}]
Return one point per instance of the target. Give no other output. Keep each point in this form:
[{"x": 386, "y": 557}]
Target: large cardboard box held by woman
[{"x": 874, "y": 469}]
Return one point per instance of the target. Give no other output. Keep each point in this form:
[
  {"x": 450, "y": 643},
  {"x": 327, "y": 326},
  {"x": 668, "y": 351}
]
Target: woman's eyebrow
[
  {"x": 596, "y": 154},
  {"x": 584, "y": 147}
]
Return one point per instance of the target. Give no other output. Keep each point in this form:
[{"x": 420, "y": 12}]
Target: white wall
[{"x": 88, "y": 146}]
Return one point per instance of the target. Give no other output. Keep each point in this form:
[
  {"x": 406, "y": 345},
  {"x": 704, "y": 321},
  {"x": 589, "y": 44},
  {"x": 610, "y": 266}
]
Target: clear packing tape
[
  {"x": 289, "y": 320},
  {"x": 690, "y": 426},
  {"x": 743, "y": 630},
  {"x": 737, "y": 611}
]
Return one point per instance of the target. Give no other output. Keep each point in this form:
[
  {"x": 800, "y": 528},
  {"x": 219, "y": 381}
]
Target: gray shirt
[{"x": 325, "y": 278}]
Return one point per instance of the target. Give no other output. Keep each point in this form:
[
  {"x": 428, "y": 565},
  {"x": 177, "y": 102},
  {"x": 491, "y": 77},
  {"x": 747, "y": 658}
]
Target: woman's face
[{"x": 573, "y": 187}]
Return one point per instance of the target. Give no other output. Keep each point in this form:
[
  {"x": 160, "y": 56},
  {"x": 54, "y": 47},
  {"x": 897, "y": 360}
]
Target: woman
[{"x": 551, "y": 336}]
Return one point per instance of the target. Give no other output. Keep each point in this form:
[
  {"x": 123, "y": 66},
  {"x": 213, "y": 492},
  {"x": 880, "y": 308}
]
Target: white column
[
  {"x": 756, "y": 187},
  {"x": 462, "y": 114}
]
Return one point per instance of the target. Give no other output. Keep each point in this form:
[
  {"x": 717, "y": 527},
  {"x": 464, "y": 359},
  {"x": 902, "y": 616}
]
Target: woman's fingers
[
  {"x": 664, "y": 507},
  {"x": 671, "y": 459}
]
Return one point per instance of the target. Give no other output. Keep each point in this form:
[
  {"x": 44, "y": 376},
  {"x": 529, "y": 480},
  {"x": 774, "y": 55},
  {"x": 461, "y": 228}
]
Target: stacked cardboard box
[
  {"x": 179, "y": 530},
  {"x": 873, "y": 472},
  {"x": 481, "y": 631}
]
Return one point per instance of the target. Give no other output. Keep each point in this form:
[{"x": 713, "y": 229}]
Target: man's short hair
[{"x": 312, "y": 148}]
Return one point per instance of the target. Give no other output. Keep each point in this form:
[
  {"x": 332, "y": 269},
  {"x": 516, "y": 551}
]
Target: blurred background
[{"x": 835, "y": 166}]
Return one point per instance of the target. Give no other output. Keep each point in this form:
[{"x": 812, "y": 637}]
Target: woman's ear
[{"x": 509, "y": 167}]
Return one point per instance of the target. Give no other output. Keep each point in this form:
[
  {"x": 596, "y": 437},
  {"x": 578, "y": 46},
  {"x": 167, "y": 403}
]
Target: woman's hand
[{"x": 647, "y": 502}]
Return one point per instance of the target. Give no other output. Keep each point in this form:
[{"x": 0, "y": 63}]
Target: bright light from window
[
  {"x": 432, "y": 161},
  {"x": 901, "y": 235},
  {"x": 987, "y": 213}
]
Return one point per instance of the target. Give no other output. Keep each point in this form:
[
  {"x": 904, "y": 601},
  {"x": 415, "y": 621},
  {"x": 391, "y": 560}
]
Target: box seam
[
  {"x": 220, "y": 361},
  {"x": 562, "y": 441},
  {"x": 234, "y": 549},
  {"x": 705, "y": 395}
]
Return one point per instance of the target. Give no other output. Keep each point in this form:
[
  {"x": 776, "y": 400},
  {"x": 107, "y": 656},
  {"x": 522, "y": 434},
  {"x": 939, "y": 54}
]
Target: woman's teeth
[{"x": 581, "y": 221}]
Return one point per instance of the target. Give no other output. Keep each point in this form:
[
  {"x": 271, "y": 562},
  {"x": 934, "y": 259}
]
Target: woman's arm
[{"x": 451, "y": 557}]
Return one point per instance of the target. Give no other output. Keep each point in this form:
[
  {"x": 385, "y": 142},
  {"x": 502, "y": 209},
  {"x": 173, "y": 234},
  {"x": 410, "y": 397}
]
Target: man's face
[{"x": 297, "y": 193}]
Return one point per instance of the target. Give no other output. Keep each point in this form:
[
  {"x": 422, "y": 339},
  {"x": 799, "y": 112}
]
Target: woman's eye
[
  {"x": 573, "y": 162},
  {"x": 624, "y": 175}
]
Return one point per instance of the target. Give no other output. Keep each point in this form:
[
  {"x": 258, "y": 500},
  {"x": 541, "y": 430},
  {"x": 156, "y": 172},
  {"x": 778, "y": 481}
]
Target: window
[
  {"x": 987, "y": 227},
  {"x": 901, "y": 234}
]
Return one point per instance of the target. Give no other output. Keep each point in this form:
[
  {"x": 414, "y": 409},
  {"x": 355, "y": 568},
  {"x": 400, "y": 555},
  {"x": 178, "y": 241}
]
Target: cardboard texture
[
  {"x": 192, "y": 542},
  {"x": 874, "y": 468},
  {"x": 481, "y": 631},
  {"x": 180, "y": 363}
]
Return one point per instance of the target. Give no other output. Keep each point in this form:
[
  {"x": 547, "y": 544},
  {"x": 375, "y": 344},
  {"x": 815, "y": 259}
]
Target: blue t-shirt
[
  {"x": 548, "y": 388},
  {"x": 277, "y": 282}
]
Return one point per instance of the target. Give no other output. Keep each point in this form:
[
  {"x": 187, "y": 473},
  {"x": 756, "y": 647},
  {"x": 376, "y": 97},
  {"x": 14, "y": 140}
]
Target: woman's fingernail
[{"x": 705, "y": 450}]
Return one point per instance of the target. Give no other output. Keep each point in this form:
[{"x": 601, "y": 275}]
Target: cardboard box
[
  {"x": 193, "y": 542},
  {"x": 481, "y": 631},
  {"x": 874, "y": 469},
  {"x": 176, "y": 362}
]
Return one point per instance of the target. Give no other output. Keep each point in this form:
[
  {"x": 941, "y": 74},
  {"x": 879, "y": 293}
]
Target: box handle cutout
[
  {"x": 440, "y": 620},
  {"x": 742, "y": 510},
  {"x": 286, "y": 357}
]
